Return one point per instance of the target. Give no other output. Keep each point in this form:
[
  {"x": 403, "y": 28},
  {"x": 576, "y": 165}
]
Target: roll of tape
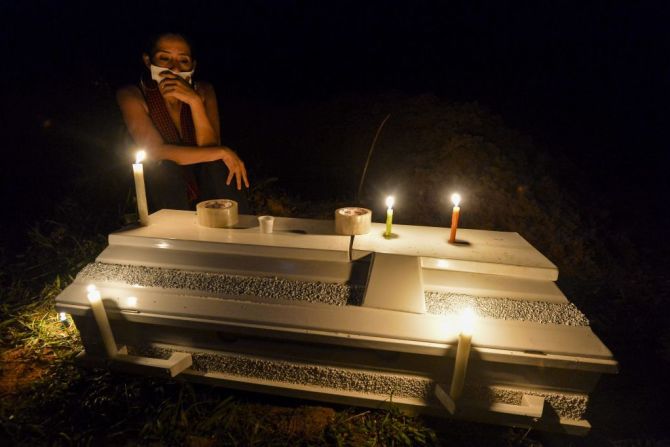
[
  {"x": 219, "y": 213},
  {"x": 352, "y": 220}
]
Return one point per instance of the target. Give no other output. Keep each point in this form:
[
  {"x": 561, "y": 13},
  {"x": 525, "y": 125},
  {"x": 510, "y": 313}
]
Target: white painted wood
[
  {"x": 395, "y": 283},
  {"x": 293, "y": 267},
  {"x": 445, "y": 399},
  {"x": 479, "y": 284},
  {"x": 223, "y": 248},
  {"x": 407, "y": 405},
  {"x": 390, "y": 322},
  {"x": 348, "y": 323},
  {"x": 584, "y": 363},
  {"x": 173, "y": 366},
  {"x": 492, "y": 252},
  {"x": 549, "y": 360},
  {"x": 531, "y": 406},
  {"x": 288, "y": 389},
  {"x": 299, "y": 238}
]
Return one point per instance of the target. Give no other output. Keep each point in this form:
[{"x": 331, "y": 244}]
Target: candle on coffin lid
[
  {"x": 467, "y": 321},
  {"x": 98, "y": 308},
  {"x": 456, "y": 212},
  {"x": 390, "y": 201},
  {"x": 140, "y": 191}
]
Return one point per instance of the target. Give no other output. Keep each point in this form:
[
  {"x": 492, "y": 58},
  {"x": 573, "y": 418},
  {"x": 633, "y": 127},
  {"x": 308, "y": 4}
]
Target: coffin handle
[
  {"x": 530, "y": 406},
  {"x": 175, "y": 364}
]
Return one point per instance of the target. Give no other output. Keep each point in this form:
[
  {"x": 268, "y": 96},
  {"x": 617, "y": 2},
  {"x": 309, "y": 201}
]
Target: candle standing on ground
[
  {"x": 101, "y": 318},
  {"x": 62, "y": 317},
  {"x": 456, "y": 212},
  {"x": 140, "y": 191},
  {"x": 462, "y": 353},
  {"x": 389, "y": 216}
]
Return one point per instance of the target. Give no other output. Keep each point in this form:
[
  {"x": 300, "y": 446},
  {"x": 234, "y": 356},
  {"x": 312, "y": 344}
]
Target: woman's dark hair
[{"x": 151, "y": 42}]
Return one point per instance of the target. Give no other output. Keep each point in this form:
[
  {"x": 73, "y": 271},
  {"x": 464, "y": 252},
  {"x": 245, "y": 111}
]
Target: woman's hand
[
  {"x": 235, "y": 168},
  {"x": 173, "y": 86}
]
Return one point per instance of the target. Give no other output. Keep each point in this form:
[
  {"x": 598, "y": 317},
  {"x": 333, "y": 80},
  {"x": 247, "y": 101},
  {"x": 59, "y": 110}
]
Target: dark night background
[{"x": 588, "y": 81}]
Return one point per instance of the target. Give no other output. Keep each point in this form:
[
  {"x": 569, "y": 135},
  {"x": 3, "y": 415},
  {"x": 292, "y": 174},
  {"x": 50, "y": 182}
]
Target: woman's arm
[
  {"x": 142, "y": 130},
  {"x": 212, "y": 108},
  {"x": 203, "y": 105}
]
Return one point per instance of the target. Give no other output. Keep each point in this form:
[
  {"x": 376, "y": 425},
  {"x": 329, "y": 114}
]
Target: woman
[{"x": 177, "y": 121}]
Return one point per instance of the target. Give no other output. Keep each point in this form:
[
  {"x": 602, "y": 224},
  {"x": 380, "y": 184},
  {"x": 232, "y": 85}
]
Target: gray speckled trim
[
  {"x": 221, "y": 284},
  {"x": 566, "y": 405},
  {"x": 345, "y": 379},
  {"x": 443, "y": 303},
  {"x": 280, "y": 289}
]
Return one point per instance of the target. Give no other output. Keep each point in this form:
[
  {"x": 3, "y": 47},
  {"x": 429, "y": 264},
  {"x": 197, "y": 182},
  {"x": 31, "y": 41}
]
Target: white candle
[
  {"x": 456, "y": 212},
  {"x": 62, "y": 316},
  {"x": 140, "y": 192},
  {"x": 462, "y": 354},
  {"x": 101, "y": 318},
  {"x": 389, "y": 215}
]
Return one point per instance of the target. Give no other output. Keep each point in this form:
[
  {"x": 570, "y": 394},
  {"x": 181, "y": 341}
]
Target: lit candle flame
[
  {"x": 390, "y": 200},
  {"x": 456, "y": 198},
  {"x": 467, "y": 321},
  {"x": 140, "y": 156},
  {"x": 93, "y": 293}
]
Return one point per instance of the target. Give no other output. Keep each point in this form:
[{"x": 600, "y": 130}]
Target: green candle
[{"x": 389, "y": 216}]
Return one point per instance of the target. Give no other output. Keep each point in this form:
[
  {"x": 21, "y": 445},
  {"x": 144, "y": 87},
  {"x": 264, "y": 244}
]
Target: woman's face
[{"x": 173, "y": 53}]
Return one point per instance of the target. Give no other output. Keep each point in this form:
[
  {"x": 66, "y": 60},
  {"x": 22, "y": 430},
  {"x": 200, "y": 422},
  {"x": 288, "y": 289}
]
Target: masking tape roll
[
  {"x": 352, "y": 220},
  {"x": 219, "y": 213}
]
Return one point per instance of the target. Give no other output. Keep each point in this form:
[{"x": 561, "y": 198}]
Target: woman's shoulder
[
  {"x": 205, "y": 87},
  {"x": 206, "y": 91},
  {"x": 129, "y": 93}
]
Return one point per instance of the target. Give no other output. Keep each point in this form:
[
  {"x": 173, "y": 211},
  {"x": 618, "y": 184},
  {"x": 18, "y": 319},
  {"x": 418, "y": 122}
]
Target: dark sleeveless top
[{"x": 160, "y": 116}]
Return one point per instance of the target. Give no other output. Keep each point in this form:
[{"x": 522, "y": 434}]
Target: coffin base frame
[{"x": 179, "y": 366}]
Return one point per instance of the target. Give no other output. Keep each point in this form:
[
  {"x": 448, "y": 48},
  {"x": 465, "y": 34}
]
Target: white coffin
[{"x": 349, "y": 321}]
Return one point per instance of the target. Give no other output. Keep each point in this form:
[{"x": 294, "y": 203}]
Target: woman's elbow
[{"x": 155, "y": 152}]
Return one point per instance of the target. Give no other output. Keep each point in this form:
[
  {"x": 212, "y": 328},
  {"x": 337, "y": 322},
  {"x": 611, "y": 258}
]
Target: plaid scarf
[{"x": 160, "y": 116}]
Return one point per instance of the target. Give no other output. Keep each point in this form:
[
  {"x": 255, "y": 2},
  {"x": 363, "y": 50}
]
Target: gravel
[
  {"x": 566, "y": 405},
  {"x": 242, "y": 287},
  {"x": 345, "y": 379},
  {"x": 445, "y": 303},
  {"x": 336, "y": 294}
]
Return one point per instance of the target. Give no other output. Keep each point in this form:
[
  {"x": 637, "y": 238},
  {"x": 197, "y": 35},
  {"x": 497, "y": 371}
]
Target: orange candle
[{"x": 456, "y": 199}]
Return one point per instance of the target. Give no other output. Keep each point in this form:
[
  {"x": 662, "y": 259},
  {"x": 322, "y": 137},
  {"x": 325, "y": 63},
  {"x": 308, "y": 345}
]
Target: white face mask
[{"x": 156, "y": 71}]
